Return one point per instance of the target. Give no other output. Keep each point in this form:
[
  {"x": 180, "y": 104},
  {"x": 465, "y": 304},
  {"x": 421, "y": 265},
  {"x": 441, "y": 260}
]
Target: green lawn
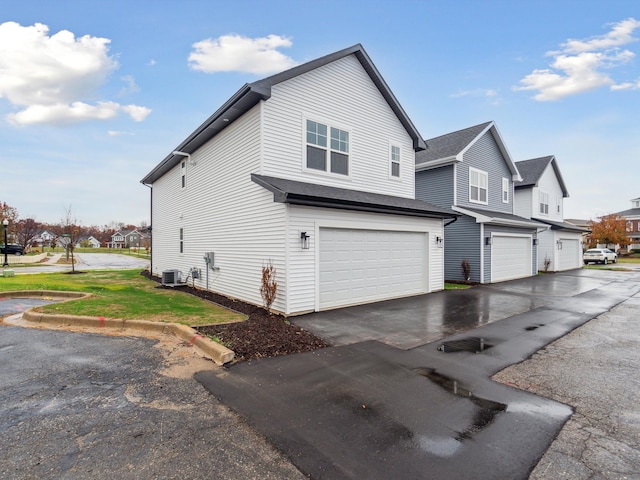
[
  {"x": 122, "y": 294},
  {"x": 628, "y": 260}
]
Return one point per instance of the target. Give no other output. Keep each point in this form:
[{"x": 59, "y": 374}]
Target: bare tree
[
  {"x": 68, "y": 232},
  {"x": 26, "y": 231}
]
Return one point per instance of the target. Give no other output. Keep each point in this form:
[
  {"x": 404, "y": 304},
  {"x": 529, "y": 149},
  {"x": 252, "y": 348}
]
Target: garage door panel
[
  {"x": 510, "y": 257},
  {"x": 359, "y": 266},
  {"x": 568, "y": 256}
]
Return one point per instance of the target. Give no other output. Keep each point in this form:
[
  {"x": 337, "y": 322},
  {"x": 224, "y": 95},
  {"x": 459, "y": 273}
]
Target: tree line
[{"x": 68, "y": 231}]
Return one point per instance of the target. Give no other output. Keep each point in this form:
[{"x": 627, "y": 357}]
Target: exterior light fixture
[
  {"x": 487, "y": 240},
  {"x": 5, "y": 223},
  {"x": 439, "y": 242},
  {"x": 559, "y": 244},
  {"x": 535, "y": 241},
  {"x": 304, "y": 240}
]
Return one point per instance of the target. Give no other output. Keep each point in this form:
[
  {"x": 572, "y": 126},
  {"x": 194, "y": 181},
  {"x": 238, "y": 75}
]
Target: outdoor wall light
[
  {"x": 487, "y": 241},
  {"x": 304, "y": 240},
  {"x": 439, "y": 242},
  {"x": 535, "y": 241},
  {"x": 559, "y": 244}
]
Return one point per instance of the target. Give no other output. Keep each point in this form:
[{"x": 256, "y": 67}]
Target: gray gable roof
[
  {"x": 500, "y": 218},
  {"x": 310, "y": 194},
  {"x": 252, "y": 93},
  {"x": 629, "y": 213},
  {"x": 451, "y": 144},
  {"x": 450, "y": 148},
  {"x": 531, "y": 171}
]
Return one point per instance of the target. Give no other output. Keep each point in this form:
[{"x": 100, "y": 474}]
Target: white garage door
[
  {"x": 510, "y": 257},
  {"x": 360, "y": 266},
  {"x": 568, "y": 256}
]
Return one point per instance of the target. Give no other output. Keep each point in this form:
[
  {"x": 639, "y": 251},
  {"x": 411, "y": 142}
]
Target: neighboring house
[
  {"x": 471, "y": 172},
  {"x": 88, "y": 241},
  {"x": 540, "y": 195},
  {"x": 310, "y": 169},
  {"x": 585, "y": 225},
  {"x": 128, "y": 239},
  {"x": 44, "y": 238},
  {"x": 632, "y": 216}
]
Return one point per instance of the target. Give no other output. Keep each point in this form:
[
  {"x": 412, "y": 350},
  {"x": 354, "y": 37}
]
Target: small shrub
[
  {"x": 466, "y": 269},
  {"x": 269, "y": 288},
  {"x": 546, "y": 264}
]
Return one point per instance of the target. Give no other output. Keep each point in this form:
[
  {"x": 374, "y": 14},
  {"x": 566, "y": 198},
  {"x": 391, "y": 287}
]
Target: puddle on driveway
[
  {"x": 472, "y": 344},
  {"x": 485, "y": 414}
]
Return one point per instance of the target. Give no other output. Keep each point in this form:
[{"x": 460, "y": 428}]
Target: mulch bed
[{"x": 263, "y": 334}]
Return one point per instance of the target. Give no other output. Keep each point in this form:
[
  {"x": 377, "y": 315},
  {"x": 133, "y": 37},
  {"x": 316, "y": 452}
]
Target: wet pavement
[
  {"x": 86, "y": 406},
  {"x": 88, "y": 261},
  {"x": 405, "y": 409},
  {"x": 9, "y": 306}
]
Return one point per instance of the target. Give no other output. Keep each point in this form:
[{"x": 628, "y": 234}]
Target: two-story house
[
  {"x": 312, "y": 170},
  {"x": 632, "y": 215},
  {"x": 128, "y": 239},
  {"x": 471, "y": 172},
  {"x": 540, "y": 195}
]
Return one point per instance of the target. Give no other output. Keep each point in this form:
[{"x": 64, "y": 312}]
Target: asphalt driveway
[
  {"x": 407, "y": 409},
  {"x": 410, "y": 322}
]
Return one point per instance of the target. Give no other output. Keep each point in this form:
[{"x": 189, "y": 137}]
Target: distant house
[
  {"x": 44, "y": 238},
  {"x": 632, "y": 215},
  {"x": 471, "y": 172},
  {"x": 128, "y": 239},
  {"x": 540, "y": 195},
  {"x": 312, "y": 170},
  {"x": 88, "y": 241}
]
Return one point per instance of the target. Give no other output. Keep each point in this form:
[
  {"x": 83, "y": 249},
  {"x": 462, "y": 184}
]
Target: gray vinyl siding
[
  {"x": 485, "y": 155},
  {"x": 462, "y": 241},
  {"x": 489, "y": 229},
  {"x": 436, "y": 186}
]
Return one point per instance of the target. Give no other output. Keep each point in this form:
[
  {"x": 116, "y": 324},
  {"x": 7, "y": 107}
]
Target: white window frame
[
  {"x": 183, "y": 174},
  {"x": 543, "y": 203},
  {"x": 505, "y": 190},
  {"x": 181, "y": 246},
  {"x": 481, "y": 174},
  {"x": 395, "y": 156},
  {"x": 328, "y": 148}
]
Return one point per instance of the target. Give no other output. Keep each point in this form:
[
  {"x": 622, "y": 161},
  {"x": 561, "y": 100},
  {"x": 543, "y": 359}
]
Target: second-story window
[
  {"x": 478, "y": 181},
  {"x": 327, "y": 148},
  {"x": 395, "y": 161},
  {"x": 544, "y": 203},
  {"x": 505, "y": 190},
  {"x": 183, "y": 174}
]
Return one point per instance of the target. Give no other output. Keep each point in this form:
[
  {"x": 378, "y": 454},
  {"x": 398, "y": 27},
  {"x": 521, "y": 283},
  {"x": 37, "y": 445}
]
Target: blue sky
[{"x": 94, "y": 94}]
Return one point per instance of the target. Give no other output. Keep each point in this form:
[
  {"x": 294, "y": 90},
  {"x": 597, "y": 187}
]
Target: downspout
[{"x": 151, "y": 225}]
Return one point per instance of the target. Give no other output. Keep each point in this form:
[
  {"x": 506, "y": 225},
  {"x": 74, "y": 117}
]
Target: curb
[{"x": 213, "y": 350}]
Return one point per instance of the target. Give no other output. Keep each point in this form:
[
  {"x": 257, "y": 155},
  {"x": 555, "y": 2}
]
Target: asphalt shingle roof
[
  {"x": 531, "y": 170},
  {"x": 450, "y": 144},
  {"x": 310, "y": 194}
]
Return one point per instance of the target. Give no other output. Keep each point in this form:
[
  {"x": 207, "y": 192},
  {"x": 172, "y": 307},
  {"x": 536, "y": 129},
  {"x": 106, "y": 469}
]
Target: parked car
[
  {"x": 12, "y": 249},
  {"x": 599, "y": 255}
]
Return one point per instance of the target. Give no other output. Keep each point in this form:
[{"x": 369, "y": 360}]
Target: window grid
[
  {"x": 544, "y": 203},
  {"x": 317, "y": 151},
  {"x": 478, "y": 181},
  {"x": 395, "y": 161},
  {"x": 505, "y": 190}
]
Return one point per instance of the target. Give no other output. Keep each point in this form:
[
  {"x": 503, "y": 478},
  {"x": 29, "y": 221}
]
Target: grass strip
[{"x": 122, "y": 294}]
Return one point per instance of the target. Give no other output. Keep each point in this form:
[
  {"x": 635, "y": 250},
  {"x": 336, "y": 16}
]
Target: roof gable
[
  {"x": 451, "y": 147},
  {"x": 252, "y": 93},
  {"x": 532, "y": 170}
]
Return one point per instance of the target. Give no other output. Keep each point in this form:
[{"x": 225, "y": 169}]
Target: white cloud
[
  {"x": 50, "y": 78},
  {"x": 229, "y": 53},
  {"x": 583, "y": 65}
]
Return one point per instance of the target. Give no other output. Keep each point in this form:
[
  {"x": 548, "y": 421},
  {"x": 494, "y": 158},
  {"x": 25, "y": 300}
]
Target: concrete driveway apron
[{"x": 405, "y": 409}]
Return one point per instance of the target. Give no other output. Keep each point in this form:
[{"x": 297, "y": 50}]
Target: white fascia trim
[
  {"x": 480, "y": 218},
  {"x": 438, "y": 163}
]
